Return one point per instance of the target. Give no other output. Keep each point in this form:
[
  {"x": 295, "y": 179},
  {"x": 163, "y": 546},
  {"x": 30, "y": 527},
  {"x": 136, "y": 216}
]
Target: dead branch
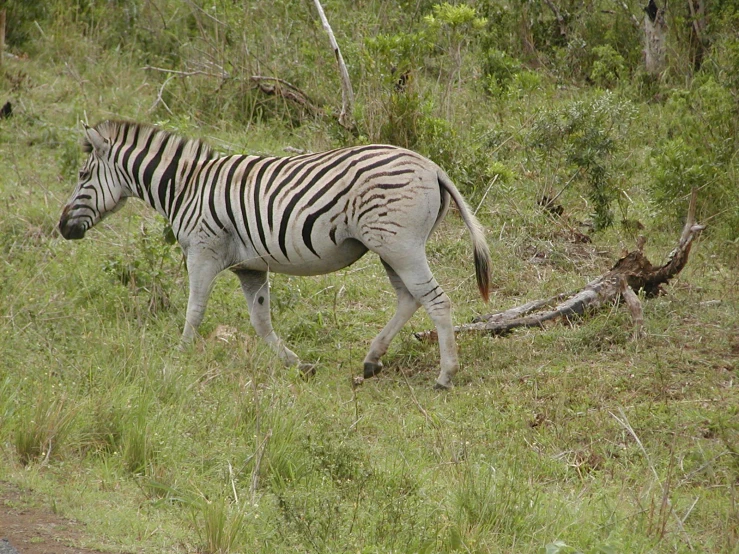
[
  {"x": 279, "y": 87},
  {"x": 631, "y": 274},
  {"x": 273, "y": 86},
  {"x": 347, "y": 93},
  {"x": 558, "y": 15}
]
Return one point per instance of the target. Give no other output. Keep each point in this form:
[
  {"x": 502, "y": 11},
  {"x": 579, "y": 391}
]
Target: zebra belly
[{"x": 331, "y": 259}]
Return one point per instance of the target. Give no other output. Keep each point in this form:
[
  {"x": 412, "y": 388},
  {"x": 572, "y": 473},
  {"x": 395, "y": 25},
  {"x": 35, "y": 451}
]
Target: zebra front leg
[
  {"x": 255, "y": 286},
  {"x": 406, "y": 307},
  {"x": 201, "y": 275}
]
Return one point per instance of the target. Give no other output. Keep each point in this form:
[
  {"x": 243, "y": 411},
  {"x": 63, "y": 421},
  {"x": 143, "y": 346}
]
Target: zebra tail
[{"x": 483, "y": 263}]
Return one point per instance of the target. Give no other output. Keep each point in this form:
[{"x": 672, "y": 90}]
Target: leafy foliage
[{"x": 582, "y": 139}]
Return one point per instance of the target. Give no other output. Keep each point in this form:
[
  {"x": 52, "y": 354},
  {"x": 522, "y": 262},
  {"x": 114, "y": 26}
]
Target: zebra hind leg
[
  {"x": 255, "y": 286},
  {"x": 414, "y": 271},
  {"x": 407, "y": 306}
]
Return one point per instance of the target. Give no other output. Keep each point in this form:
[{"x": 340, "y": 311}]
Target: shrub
[
  {"x": 579, "y": 142},
  {"x": 699, "y": 150},
  {"x": 499, "y": 69},
  {"x": 608, "y": 68}
]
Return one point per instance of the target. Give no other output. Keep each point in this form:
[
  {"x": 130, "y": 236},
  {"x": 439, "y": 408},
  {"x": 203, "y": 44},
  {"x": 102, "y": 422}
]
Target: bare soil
[{"x": 28, "y": 528}]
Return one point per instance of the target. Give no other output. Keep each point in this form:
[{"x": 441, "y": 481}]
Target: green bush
[
  {"x": 608, "y": 68},
  {"x": 22, "y": 20},
  {"x": 580, "y": 142},
  {"x": 499, "y": 69},
  {"x": 699, "y": 150}
]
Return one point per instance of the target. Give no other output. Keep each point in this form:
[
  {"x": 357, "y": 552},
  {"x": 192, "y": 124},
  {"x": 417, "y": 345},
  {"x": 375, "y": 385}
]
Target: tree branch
[
  {"x": 558, "y": 15},
  {"x": 347, "y": 93}
]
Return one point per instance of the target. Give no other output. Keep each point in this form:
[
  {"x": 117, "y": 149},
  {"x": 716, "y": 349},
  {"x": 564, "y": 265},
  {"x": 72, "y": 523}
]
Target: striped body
[
  {"x": 302, "y": 215},
  {"x": 325, "y": 220}
]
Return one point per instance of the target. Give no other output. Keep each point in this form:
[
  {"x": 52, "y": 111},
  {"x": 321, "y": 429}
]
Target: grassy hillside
[{"x": 574, "y": 438}]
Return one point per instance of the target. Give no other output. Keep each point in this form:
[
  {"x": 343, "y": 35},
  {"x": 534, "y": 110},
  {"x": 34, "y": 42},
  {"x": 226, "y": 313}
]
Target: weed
[
  {"x": 149, "y": 268},
  {"x": 489, "y": 504},
  {"x": 219, "y": 524},
  {"x": 41, "y": 428}
]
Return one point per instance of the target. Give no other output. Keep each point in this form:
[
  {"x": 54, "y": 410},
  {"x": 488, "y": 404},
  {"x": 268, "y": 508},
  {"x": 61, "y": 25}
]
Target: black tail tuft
[{"x": 482, "y": 272}]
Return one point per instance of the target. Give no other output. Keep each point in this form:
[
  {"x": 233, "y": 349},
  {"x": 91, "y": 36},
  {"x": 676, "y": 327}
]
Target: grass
[{"x": 568, "y": 439}]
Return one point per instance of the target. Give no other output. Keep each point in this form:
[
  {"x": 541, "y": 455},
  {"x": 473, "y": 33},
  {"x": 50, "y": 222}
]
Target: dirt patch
[{"x": 29, "y": 529}]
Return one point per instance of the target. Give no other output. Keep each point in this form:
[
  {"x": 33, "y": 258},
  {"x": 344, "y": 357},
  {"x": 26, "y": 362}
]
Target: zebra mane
[{"x": 115, "y": 131}]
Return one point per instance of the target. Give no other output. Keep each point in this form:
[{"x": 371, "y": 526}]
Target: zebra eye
[{"x": 84, "y": 173}]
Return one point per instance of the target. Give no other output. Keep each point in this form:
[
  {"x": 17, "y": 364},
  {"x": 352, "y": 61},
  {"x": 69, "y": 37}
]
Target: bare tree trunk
[
  {"x": 698, "y": 42},
  {"x": 655, "y": 31},
  {"x": 347, "y": 94}
]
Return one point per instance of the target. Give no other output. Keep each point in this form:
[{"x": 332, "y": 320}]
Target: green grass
[{"x": 568, "y": 439}]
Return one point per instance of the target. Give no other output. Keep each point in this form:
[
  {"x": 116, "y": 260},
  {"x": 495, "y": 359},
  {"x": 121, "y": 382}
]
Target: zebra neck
[
  {"x": 156, "y": 164},
  {"x": 161, "y": 178}
]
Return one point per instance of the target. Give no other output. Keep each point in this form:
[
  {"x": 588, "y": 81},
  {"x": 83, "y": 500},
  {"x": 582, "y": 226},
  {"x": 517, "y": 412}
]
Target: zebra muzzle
[{"x": 71, "y": 231}]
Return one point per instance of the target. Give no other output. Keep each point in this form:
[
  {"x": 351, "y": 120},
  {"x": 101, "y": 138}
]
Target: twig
[
  {"x": 206, "y": 14},
  {"x": 416, "y": 402},
  {"x": 624, "y": 422},
  {"x": 159, "y": 96},
  {"x": 567, "y": 184},
  {"x": 690, "y": 510},
  {"x": 257, "y": 465},
  {"x": 233, "y": 484},
  {"x": 45, "y": 461},
  {"x": 486, "y": 192},
  {"x": 223, "y": 75}
]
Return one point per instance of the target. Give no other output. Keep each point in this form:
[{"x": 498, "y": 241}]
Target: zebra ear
[{"x": 96, "y": 140}]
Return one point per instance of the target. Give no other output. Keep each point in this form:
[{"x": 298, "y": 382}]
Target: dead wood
[
  {"x": 655, "y": 33},
  {"x": 271, "y": 86},
  {"x": 632, "y": 274},
  {"x": 346, "y": 119},
  {"x": 558, "y": 15},
  {"x": 274, "y": 86}
]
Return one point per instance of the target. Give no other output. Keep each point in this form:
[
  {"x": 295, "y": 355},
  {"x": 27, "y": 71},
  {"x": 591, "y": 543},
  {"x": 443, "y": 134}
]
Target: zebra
[{"x": 309, "y": 214}]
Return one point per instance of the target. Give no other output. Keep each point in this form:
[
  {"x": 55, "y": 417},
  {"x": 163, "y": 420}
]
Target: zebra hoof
[
  {"x": 307, "y": 370},
  {"x": 371, "y": 369},
  {"x": 446, "y": 385}
]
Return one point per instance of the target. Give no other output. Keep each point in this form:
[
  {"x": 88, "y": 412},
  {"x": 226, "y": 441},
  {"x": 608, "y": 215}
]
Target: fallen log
[{"x": 631, "y": 274}]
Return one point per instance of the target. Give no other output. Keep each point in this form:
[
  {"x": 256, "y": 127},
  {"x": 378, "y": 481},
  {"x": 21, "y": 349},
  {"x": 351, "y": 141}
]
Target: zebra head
[{"x": 100, "y": 190}]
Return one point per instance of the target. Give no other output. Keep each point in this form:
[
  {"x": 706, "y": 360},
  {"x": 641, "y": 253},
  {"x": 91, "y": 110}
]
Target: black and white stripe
[{"x": 302, "y": 215}]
